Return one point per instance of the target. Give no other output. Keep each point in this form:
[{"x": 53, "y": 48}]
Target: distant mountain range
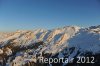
[{"x": 23, "y": 48}]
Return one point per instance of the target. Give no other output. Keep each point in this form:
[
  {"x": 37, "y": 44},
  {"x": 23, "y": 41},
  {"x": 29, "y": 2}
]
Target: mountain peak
[{"x": 25, "y": 46}]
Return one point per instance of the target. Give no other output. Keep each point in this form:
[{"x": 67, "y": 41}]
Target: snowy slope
[{"x": 24, "y": 47}]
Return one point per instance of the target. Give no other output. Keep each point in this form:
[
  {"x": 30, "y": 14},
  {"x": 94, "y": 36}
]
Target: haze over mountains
[{"x": 22, "y": 48}]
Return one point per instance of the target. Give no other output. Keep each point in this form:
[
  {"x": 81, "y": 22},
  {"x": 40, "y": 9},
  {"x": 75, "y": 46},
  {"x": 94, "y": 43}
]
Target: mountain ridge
[{"x": 28, "y": 44}]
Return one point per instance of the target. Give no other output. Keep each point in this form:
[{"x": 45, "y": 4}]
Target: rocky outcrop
[{"x": 23, "y": 48}]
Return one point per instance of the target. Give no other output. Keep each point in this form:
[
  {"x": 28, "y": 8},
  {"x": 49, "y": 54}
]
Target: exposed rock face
[{"x": 23, "y": 48}]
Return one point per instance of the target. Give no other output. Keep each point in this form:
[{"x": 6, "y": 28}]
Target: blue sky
[{"x": 30, "y": 14}]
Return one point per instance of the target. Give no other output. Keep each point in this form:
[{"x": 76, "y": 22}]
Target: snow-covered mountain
[{"x": 23, "y": 48}]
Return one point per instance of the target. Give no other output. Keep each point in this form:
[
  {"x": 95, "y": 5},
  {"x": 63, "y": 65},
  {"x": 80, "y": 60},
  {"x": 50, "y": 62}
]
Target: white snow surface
[{"x": 56, "y": 40}]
